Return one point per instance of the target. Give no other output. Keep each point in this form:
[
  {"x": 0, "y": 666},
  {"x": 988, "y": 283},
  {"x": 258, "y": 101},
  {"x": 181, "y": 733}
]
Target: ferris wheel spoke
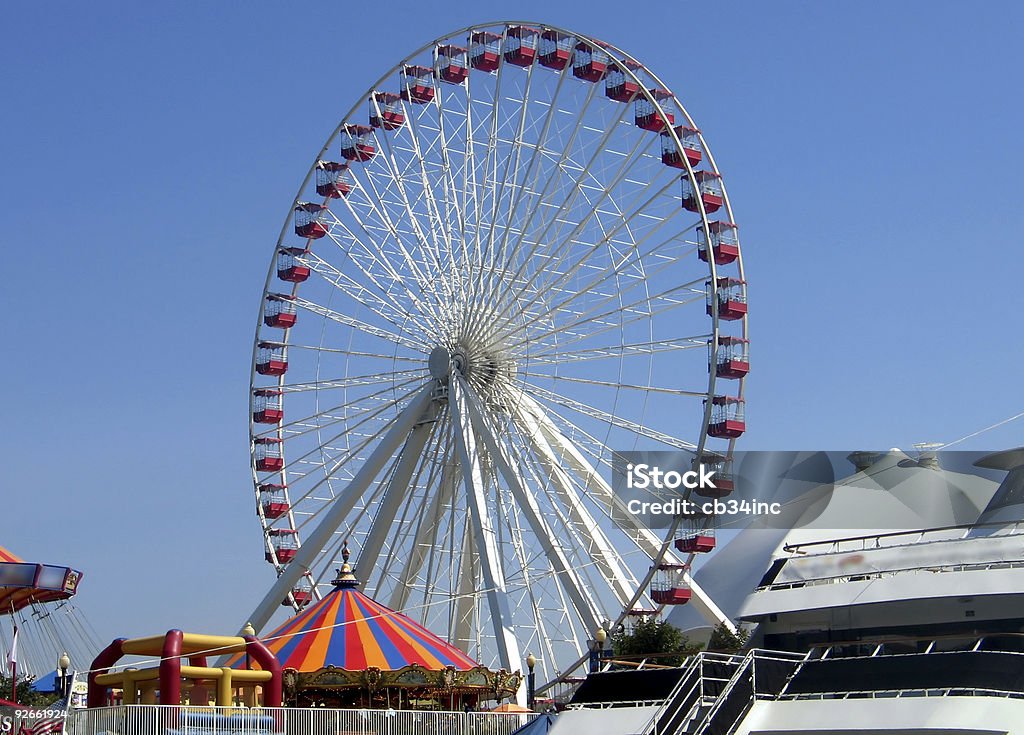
[
  {"x": 385, "y": 219},
  {"x": 617, "y": 386},
  {"x": 615, "y": 276},
  {"x": 560, "y": 253},
  {"x": 632, "y": 349},
  {"x": 605, "y": 326},
  {"x": 527, "y": 504},
  {"x": 450, "y": 189},
  {"x": 398, "y": 178},
  {"x": 352, "y": 453},
  {"x": 608, "y": 418},
  {"x": 561, "y": 278},
  {"x": 521, "y": 181},
  {"x": 323, "y": 418},
  {"x": 553, "y": 177},
  {"x": 358, "y": 353},
  {"x": 343, "y": 504},
  {"x": 492, "y": 123},
  {"x": 363, "y": 296},
  {"x": 444, "y": 231},
  {"x": 348, "y": 381},
  {"x": 362, "y": 326},
  {"x": 380, "y": 240}
]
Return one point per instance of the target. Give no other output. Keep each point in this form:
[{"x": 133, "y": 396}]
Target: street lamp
[
  {"x": 531, "y": 681},
  {"x": 64, "y": 663},
  {"x": 597, "y": 649},
  {"x": 248, "y": 631}
]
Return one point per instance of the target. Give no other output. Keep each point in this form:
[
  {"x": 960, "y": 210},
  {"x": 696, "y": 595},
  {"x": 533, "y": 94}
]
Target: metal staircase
[{"x": 717, "y": 690}]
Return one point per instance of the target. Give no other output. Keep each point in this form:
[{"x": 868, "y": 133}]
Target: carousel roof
[
  {"x": 5, "y": 555},
  {"x": 348, "y": 630}
]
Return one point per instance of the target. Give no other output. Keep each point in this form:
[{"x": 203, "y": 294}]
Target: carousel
[{"x": 349, "y": 651}]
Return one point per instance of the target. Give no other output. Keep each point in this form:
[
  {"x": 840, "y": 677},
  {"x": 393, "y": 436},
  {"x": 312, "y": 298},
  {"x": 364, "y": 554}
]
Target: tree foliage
[
  {"x": 26, "y": 694},
  {"x": 665, "y": 643},
  {"x": 724, "y": 640}
]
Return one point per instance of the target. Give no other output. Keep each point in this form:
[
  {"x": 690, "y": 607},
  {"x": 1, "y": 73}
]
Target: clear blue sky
[{"x": 150, "y": 154}]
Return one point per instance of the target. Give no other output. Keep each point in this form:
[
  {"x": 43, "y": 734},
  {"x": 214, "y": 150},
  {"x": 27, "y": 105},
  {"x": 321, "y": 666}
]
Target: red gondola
[
  {"x": 731, "y": 297},
  {"x": 555, "y": 49},
  {"x": 521, "y": 44},
  {"x": 357, "y": 143},
  {"x": 724, "y": 481},
  {"x": 280, "y": 311},
  {"x": 386, "y": 111},
  {"x": 709, "y": 184},
  {"x": 267, "y": 407},
  {"x": 332, "y": 179},
  {"x": 725, "y": 244},
  {"x": 302, "y": 596},
  {"x": 698, "y": 530},
  {"x": 733, "y": 360},
  {"x": 417, "y": 84},
  {"x": 690, "y": 139},
  {"x": 589, "y": 63},
  {"x": 728, "y": 420},
  {"x": 451, "y": 64},
  {"x": 309, "y": 220},
  {"x": 618, "y": 84},
  {"x": 669, "y": 586},
  {"x": 274, "y": 500},
  {"x": 268, "y": 454},
  {"x": 485, "y": 51},
  {"x": 285, "y": 544},
  {"x": 271, "y": 359},
  {"x": 646, "y": 114},
  {"x": 289, "y": 266}
]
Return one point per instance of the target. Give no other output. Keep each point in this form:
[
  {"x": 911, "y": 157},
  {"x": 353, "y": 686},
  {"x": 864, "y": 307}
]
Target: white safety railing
[{"x": 171, "y": 720}]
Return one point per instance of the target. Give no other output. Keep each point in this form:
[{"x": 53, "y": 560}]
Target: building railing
[{"x": 173, "y": 720}]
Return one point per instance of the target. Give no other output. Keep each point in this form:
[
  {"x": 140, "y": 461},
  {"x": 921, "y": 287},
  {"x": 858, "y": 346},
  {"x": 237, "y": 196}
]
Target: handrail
[
  {"x": 792, "y": 548},
  {"x": 862, "y": 575}
]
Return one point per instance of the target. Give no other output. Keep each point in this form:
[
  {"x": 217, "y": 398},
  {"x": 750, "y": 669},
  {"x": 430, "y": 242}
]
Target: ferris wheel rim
[{"x": 348, "y": 120}]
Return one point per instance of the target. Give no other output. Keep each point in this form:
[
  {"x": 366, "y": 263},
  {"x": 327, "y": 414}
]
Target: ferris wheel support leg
[
  {"x": 396, "y": 493},
  {"x": 320, "y": 537},
  {"x": 563, "y": 568},
  {"x": 486, "y": 538},
  {"x": 651, "y": 544}
]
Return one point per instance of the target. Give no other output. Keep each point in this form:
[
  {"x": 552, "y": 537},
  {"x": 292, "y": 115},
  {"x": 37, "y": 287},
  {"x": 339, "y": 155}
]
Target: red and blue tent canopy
[{"x": 348, "y": 630}]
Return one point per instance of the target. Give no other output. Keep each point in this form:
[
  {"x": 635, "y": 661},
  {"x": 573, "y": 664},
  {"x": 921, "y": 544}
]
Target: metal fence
[{"x": 171, "y": 720}]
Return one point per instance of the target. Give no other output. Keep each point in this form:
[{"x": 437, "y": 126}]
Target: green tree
[
  {"x": 724, "y": 640},
  {"x": 26, "y": 694},
  {"x": 656, "y": 639}
]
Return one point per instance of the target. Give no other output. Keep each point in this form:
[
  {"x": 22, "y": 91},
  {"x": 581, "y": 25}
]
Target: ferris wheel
[{"x": 514, "y": 255}]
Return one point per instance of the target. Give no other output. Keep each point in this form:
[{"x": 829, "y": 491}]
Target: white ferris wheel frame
[{"x": 557, "y": 453}]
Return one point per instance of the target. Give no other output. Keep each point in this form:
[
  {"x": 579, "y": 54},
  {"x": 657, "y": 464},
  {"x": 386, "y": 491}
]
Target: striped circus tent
[
  {"x": 350, "y": 631},
  {"x": 348, "y": 650}
]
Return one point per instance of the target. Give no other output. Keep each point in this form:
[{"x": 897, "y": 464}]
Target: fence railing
[{"x": 171, "y": 720}]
